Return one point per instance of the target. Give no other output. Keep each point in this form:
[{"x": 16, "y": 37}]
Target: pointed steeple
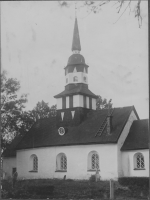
[{"x": 76, "y": 47}]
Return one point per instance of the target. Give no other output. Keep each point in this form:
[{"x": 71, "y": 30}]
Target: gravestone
[{"x": 97, "y": 175}]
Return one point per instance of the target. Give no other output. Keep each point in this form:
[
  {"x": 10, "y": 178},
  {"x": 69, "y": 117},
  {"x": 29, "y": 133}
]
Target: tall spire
[{"x": 76, "y": 47}]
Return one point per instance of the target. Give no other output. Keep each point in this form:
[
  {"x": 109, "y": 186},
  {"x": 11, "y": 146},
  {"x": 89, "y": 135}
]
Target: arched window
[
  {"x": 61, "y": 162},
  {"x": 139, "y": 161},
  {"x": 75, "y": 79},
  {"x": 34, "y": 163},
  {"x": 93, "y": 161}
]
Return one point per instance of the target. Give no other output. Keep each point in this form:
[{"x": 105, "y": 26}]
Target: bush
[
  {"x": 92, "y": 178},
  {"x": 41, "y": 189},
  {"x": 142, "y": 182}
]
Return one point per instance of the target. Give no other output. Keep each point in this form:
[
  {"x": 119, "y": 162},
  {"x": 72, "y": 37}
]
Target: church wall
[
  {"x": 80, "y": 101},
  {"x": 87, "y": 102},
  {"x": 128, "y": 163},
  {"x": 79, "y": 75},
  {"x": 67, "y": 102},
  {"x": 76, "y": 102},
  {"x": 77, "y": 162},
  {"x": 8, "y": 164},
  {"x": 121, "y": 140},
  {"x": 93, "y": 104},
  {"x": 59, "y": 103}
]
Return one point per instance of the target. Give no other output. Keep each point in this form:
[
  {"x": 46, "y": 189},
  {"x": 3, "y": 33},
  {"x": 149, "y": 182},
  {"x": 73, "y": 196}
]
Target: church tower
[{"x": 76, "y": 100}]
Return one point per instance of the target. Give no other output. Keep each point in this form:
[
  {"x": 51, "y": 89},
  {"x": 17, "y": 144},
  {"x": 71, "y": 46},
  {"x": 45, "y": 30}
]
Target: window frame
[
  {"x": 33, "y": 161},
  {"x": 140, "y": 163},
  {"x": 90, "y": 155},
  {"x": 59, "y": 167},
  {"x": 75, "y": 79}
]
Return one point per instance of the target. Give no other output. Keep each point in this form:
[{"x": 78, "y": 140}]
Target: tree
[
  {"x": 12, "y": 114},
  {"x": 102, "y": 103},
  {"x": 95, "y": 6},
  {"x": 14, "y": 120},
  {"x": 42, "y": 110}
]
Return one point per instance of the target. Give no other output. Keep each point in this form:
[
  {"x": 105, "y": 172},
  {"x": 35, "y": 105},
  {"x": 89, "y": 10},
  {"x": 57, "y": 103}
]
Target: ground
[{"x": 69, "y": 189}]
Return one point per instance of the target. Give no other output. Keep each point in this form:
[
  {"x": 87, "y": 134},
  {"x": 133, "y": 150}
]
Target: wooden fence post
[{"x": 111, "y": 189}]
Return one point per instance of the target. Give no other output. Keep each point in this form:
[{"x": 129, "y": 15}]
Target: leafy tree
[
  {"x": 42, "y": 110},
  {"x": 102, "y": 103},
  {"x": 12, "y": 114},
  {"x": 14, "y": 120},
  {"x": 95, "y": 6}
]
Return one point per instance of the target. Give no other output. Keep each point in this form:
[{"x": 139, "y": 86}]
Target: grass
[{"x": 70, "y": 189}]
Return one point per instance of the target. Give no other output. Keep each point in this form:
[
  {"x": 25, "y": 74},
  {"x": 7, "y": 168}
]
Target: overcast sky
[{"x": 36, "y": 39}]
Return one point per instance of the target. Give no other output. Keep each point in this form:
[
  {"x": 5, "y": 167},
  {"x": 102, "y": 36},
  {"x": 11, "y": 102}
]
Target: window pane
[
  {"x": 35, "y": 163},
  {"x": 63, "y": 163},
  {"x": 140, "y": 161},
  {"x": 95, "y": 161},
  {"x": 75, "y": 79}
]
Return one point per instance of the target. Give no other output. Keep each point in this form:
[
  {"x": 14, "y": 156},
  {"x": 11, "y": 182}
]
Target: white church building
[{"x": 81, "y": 139}]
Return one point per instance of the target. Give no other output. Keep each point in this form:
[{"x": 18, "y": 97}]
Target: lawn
[{"x": 69, "y": 189}]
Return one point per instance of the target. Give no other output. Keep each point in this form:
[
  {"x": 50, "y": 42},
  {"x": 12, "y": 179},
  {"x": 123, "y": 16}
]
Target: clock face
[{"x": 61, "y": 131}]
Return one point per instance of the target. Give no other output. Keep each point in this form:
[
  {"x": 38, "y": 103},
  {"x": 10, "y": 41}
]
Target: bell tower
[{"x": 76, "y": 100}]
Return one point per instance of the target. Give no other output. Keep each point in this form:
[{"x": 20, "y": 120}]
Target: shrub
[
  {"x": 92, "y": 178},
  {"x": 41, "y": 189},
  {"x": 142, "y": 182}
]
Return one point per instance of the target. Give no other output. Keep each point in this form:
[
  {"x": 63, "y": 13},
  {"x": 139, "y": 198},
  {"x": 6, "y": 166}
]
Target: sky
[{"x": 36, "y": 39}]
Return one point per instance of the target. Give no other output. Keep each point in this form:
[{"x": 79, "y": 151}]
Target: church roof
[
  {"x": 76, "y": 59},
  {"x": 76, "y": 90},
  {"x": 76, "y": 39},
  {"x": 45, "y": 133},
  {"x": 138, "y": 136},
  {"x": 10, "y": 149}
]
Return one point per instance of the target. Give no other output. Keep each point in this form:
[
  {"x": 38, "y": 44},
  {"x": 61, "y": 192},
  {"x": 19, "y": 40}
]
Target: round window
[{"x": 61, "y": 131}]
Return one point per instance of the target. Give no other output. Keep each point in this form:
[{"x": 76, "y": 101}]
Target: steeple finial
[
  {"x": 75, "y": 9},
  {"x": 76, "y": 47}
]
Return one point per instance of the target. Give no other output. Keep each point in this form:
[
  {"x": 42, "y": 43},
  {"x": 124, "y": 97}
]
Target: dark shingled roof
[
  {"x": 76, "y": 38},
  {"x": 77, "y": 90},
  {"x": 76, "y": 59},
  {"x": 45, "y": 133},
  {"x": 10, "y": 150},
  {"x": 138, "y": 136}
]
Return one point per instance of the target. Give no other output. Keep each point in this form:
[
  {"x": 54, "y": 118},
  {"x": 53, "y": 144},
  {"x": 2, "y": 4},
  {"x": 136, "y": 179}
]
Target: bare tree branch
[{"x": 123, "y": 11}]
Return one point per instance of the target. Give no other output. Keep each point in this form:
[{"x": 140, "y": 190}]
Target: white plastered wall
[
  {"x": 8, "y": 164},
  {"x": 121, "y": 140},
  {"x": 128, "y": 163},
  {"x": 77, "y": 162},
  {"x": 77, "y": 100},
  {"x": 59, "y": 103},
  {"x": 80, "y": 76},
  {"x": 67, "y": 102},
  {"x": 93, "y": 104},
  {"x": 87, "y": 102}
]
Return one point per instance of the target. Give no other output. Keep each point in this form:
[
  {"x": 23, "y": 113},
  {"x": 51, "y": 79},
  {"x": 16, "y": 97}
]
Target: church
[{"x": 81, "y": 140}]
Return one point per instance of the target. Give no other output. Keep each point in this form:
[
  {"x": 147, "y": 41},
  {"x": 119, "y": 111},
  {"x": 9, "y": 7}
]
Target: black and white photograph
[{"x": 75, "y": 100}]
